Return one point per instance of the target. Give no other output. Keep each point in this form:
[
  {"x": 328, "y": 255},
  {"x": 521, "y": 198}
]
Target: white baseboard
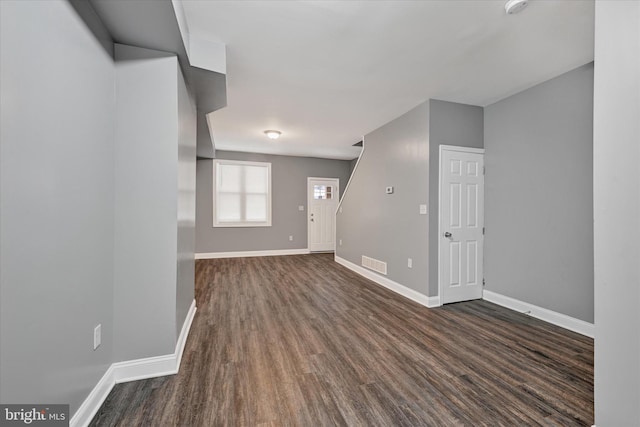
[
  {"x": 158, "y": 366},
  {"x": 184, "y": 333},
  {"x": 92, "y": 403},
  {"x": 390, "y": 284},
  {"x": 132, "y": 370},
  {"x": 433, "y": 302},
  {"x": 245, "y": 254},
  {"x": 553, "y": 317}
]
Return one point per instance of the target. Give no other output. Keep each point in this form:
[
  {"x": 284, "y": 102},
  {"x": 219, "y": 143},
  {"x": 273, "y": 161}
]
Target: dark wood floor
[{"x": 302, "y": 341}]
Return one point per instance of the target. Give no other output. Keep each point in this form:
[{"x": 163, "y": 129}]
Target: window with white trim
[{"x": 241, "y": 194}]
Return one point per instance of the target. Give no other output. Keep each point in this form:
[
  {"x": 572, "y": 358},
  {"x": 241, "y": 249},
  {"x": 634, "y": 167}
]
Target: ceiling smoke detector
[{"x": 514, "y": 6}]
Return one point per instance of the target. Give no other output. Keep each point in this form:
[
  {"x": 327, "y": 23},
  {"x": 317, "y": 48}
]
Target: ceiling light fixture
[
  {"x": 514, "y": 6},
  {"x": 273, "y": 134}
]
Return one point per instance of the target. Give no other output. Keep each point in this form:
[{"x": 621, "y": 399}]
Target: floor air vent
[{"x": 374, "y": 264}]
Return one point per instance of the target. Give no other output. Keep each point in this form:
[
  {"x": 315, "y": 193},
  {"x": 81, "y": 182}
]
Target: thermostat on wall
[{"x": 389, "y": 190}]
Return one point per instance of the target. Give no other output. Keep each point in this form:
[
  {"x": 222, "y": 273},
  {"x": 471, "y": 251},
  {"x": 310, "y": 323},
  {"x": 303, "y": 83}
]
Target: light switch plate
[
  {"x": 423, "y": 209},
  {"x": 301, "y": 208}
]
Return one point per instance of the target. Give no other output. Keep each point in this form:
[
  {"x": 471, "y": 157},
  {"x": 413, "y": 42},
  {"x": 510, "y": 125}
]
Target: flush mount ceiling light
[
  {"x": 273, "y": 134},
  {"x": 514, "y": 6}
]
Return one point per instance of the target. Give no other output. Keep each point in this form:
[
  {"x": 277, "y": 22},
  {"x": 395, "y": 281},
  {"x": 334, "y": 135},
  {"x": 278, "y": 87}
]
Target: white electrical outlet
[
  {"x": 340, "y": 242},
  {"x": 291, "y": 238},
  {"x": 300, "y": 208},
  {"x": 423, "y": 209},
  {"x": 97, "y": 336},
  {"x": 409, "y": 263}
]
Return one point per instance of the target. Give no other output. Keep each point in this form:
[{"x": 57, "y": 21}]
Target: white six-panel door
[
  {"x": 323, "y": 196},
  {"x": 461, "y": 223}
]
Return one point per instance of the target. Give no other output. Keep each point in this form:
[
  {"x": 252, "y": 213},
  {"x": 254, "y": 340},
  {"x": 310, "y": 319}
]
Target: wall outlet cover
[
  {"x": 423, "y": 209},
  {"x": 301, "y": 208}
]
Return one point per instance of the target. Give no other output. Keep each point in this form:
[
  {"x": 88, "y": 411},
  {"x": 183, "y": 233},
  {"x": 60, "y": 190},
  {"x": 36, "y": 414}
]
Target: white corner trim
[
  {"x": 460, "y": 148},
  {"x": 92, "y": 403},
  {"x": 553, "y": 317},
  {"x": 353, "y": 172},
  {"x": 158, "y": 366},
  {"x": 141, "y": 369},
  {"x": 132, "y": 370},
  {"x": 433, "y": 302},
  {"x": 244, "y": 254},
  {"x": 390, "y": 284},
  {"x": 184, "y": 333}
]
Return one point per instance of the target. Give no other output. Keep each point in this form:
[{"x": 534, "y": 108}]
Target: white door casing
[
  {"x": 323, "y": 195},
  {"x": 461, "y": 224}
]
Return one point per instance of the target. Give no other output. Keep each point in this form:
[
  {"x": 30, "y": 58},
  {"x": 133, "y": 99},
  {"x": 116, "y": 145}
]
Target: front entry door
[
  {"x": 323, "y": 197},
  {"x": 461, "y": 223}
]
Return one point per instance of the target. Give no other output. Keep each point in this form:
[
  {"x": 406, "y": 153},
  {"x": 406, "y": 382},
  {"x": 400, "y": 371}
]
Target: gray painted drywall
[
  {"x": 539, "y": 195},
  {"x": 389, "y": 227},
  {"x": 352, "y": 165},
  {"x": 153, "y": 25},
  {"x": 289, "y": 190},
  {"x": 186, "y": 219},
  {"x": 87, "y": 13},
  {"x": 206, "y": 148},
  {"x": 56, "y": 208},
  {"x": 146, "y": 208},
  {"x": 450, "y": 123},
  {"x": 616, "y": 142}
]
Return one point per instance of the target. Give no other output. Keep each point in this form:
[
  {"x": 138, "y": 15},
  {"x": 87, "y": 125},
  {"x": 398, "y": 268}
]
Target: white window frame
[{"x": 266, "y": 223}]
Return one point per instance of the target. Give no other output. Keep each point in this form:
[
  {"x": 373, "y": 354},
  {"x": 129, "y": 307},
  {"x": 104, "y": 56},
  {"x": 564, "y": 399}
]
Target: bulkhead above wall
[{"x": 160, "y": 25}]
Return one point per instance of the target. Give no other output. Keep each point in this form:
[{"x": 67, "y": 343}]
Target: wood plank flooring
[{"x": 302, "y": 341}]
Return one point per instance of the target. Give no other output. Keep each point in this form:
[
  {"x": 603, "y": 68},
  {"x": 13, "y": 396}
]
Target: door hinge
[
  {"x": 483, "y": 231},
  {"x": 483, "y": 282}
]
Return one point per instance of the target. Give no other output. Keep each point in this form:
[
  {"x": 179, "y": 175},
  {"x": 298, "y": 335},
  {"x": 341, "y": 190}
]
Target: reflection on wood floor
[{"x": 302, "y": 341}]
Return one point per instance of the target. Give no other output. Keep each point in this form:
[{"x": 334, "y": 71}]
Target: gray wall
[
  {"x": 616, "y": 143},
  {"x": 450, "y": 123},
  {"x": 56, "y": 206},
  {"x": 388, "y": 227},
  {"x": 352, "y": 165},
  {"x": 539, "y": 195},
  {"x": 91, "y": 222},
  {"x": 145, "y": 203},
  {"x": 289, "y": 190},
  {"x": 186, "y": 202}
]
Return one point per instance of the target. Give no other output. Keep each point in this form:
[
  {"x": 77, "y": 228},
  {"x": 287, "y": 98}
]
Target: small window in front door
[{"x": 322, "y": 192}]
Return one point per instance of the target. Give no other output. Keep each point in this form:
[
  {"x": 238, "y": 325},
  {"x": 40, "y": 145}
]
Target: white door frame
[
  {"x": 337, "y": 197},
  {"x": 440, "y": 228}
]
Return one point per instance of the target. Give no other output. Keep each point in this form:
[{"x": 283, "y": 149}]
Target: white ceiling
[{"x": 325, "y": 73}]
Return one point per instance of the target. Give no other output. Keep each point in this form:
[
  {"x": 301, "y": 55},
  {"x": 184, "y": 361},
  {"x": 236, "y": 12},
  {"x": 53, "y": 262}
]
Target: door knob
[{"x": 447, "y": 234}]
